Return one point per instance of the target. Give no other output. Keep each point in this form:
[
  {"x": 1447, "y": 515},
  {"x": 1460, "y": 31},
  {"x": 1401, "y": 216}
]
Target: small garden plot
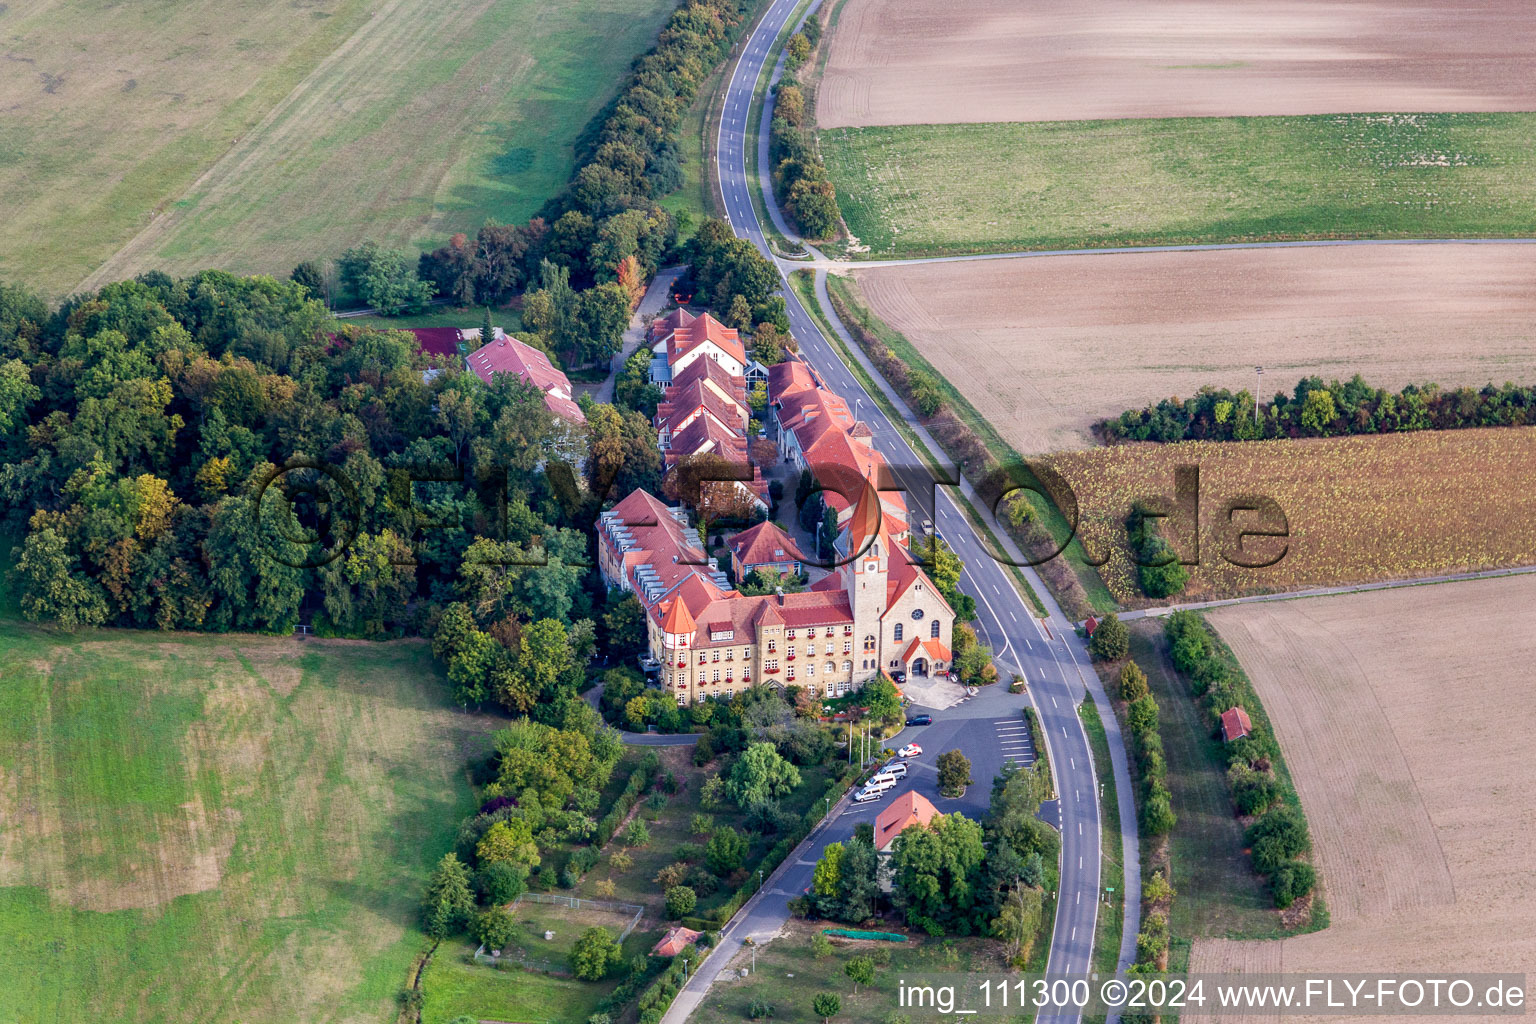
[{"x": 548, "y": 927}]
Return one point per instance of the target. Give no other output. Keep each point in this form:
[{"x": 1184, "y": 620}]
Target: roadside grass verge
[
  {"x": 929, "y": 190},
  {"x": 1111, "y": 920},
  {"x": 851, "y": 306}
]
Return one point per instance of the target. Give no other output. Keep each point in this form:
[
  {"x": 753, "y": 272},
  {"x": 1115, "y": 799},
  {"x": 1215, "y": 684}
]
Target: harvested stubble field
[
  {"x": 935, "y": 62},
  {"x": 1357, "y": 508},
  {"x": 928, "y": 190},
  {"x": 1044, "y": 347},
  {"x": 250, "y": 136},
  {"x": 219, "y": 827},
  {"x": 1402, "y": 714}
]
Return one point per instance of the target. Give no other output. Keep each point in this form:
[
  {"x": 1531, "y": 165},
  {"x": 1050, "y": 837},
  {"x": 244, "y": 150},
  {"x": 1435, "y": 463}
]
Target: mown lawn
[
  {"x": 219, "y": 827},
  {"x": 937, "y": 189},
  {"x": 454, "y": 985}
]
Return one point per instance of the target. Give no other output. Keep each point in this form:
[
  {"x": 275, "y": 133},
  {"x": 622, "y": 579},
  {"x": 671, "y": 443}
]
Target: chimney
[{"x": 779, "y": 593}]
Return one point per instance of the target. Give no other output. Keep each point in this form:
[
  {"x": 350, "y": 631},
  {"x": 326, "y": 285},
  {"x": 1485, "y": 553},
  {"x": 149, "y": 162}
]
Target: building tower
[
  {"x": 864, "y": 581},
  {"x": 677, "y": 629}
]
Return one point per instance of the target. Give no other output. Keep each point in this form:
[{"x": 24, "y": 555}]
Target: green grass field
[
  {"x": 249, "y": 137},
  {"x": 454, "y": 985},
  {"x": 232, "y": 828},
  {"x": 938, "y": 189}
]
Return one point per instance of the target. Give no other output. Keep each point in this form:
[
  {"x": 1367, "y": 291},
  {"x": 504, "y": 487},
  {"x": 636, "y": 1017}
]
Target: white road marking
[
  {"x": 1053, "y": 702},
  {"x": 1074, "y": 763}
]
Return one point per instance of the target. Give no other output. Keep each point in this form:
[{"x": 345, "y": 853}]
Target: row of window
[{"x": 933, "y": 630}]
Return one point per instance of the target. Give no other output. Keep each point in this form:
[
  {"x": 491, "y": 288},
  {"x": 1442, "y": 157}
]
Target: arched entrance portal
[{"x": 920, "y": 667}]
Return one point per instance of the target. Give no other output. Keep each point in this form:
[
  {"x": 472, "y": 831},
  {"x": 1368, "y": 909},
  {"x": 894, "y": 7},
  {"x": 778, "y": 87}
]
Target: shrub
[
  {"x": 1157, "y": 812},
  {"x": 1291, "y": 882},
  {"x": 501, "y": 882},
  {"x": 726, "y": 851},
  {"x": 680, "y": 901},
  {"x": 702, "y": 824},
  {"x": 672, "y": 874},
  {"x": 546, "y": 879},
  {"x": 1111, "y": 640},
  {"x": 827, "y": 1005},
  {"x": 656, "y": 801},
  {"x": 689, "y": 852},
  {"x": 494, "y": 928},
  {"x": 636, "y": 834},
  {"x": 703, "y": 751},
  {"x": 1286, "y": 827},
  {"x": 594, "y": 953},
  {"x": 1133, "y": 682},
  {"x": 621, "y": 861},
  {"x": 1252, "y": 791},
  {"x": 757, "y": 1010},
  {"x": 606, "y": 888},
  {"x": 821, "y": 946}
]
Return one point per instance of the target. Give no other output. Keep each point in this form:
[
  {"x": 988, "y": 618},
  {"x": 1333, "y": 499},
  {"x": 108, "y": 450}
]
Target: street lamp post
[{"x": 1259, "y": 387}]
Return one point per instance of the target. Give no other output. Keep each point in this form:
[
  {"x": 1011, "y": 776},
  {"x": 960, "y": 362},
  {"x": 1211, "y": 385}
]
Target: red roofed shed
[{"x": 1234, "y": 724}]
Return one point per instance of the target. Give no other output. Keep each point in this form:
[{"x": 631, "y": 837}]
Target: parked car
[
  {"x": 910, "y": 750},
  {"x": 864, "y": 796},
  {"x": 920, "y": 720},
  {"x": 898, "y": 677},
  {"x": 894, "y": 770}
]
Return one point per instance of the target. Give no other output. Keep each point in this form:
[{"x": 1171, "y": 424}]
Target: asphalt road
[{"x": 1048, "y": 656}]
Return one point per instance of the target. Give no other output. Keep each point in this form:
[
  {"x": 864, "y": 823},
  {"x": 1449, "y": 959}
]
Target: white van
[
  {"x": 879, "y": 783},
  {"x": 894, "y": 770}
]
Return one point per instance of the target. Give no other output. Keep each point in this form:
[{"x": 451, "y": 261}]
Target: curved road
[{"x": 1048, "y": 655}]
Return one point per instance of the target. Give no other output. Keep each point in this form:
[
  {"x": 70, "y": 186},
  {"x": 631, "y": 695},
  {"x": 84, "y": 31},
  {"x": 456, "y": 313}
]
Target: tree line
[
  {"x": 1316, "y": 409},
  {"x": 799, "y": 177},
  {"x": 1260, "y": 788}
]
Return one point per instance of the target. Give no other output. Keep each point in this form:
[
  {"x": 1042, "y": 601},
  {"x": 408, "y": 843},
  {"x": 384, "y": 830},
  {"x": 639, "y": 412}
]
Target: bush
[
  {"x": 1133, "y": 682},
  {"x": 1111, "y": 640},
  {"x": 1291, "y": 882},
  {"x": 494, "y": 928},
  {"x": 680, "y": 901},
  {"x": 703, "y": 751},
  {"x": 821, "y": 946},
  {"x": 827, "y": 1005},
  {"x": 1286, "y": 827},
  {"x": 702, "y": 824},
  {"x": 1157, "y": 812},
  {"x": 689, "y": 852},
  {"x": 621, "y": 861},
  {"x": 594, "y": 953},
  {"x": 656, "y": 801},
  {"x": 1252, "y": 791},
  {"x": 501, "y": 882},
  {"x": 726, "y": 851},
  {"x": 757, "y": 1010},
  {"x": 636, "y": 834}
]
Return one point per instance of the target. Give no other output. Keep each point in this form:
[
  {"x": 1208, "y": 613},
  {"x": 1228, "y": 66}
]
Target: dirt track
[
  {"x": 937, "y": 62},
  {"x": 1043, "y": 347},
  {"x": 1402, "y": 716}
]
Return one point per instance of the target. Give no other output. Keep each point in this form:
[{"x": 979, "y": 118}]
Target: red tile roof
[
  {"x": 911, "y": 808},
  {"x": 508, "y": 355},
  {"x": 1235, "y": 724},
  {"x": 665, "y": 325},
  {"x": 764, "y": 544},
  {"x": 677, "y": 619},
  {"x": 787, "y": 378},
  {"x": 681, "y": 403},
  {"x": 691, "y": 333},
  {"x": 932, "y": 648},
  {"x": 675, "y": 941}
]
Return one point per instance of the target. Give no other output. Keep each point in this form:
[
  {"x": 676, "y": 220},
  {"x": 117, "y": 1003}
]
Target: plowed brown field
[
  {"x": 1403, "y": 715},
  {"x": 1043, "y": 347},
  {"x": 938, "y": 62}
]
